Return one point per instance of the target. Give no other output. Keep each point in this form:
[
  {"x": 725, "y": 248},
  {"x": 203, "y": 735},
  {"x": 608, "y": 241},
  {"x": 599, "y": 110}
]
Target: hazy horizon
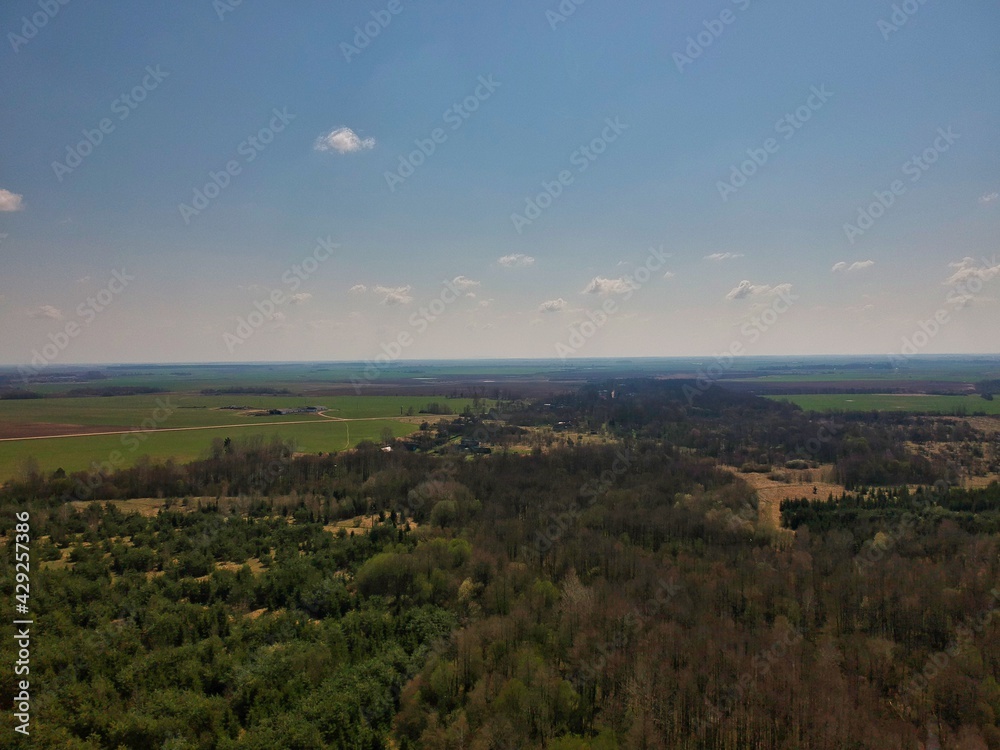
[{"x": 636, "y": 181}]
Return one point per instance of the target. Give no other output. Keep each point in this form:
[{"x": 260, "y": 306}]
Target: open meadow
[
  {"x": 74, "y": 433},
  {"x": 910, "y": 403}
]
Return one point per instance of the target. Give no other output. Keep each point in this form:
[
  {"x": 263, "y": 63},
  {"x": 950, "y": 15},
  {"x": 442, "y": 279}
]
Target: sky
[{"x": 414, "y": 179}]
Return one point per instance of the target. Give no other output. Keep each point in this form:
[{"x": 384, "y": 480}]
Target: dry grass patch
[
  {"x": 798, "y": 483},
  {"x": 255, "y": 565},
  {"x": 360, "y": 525},
  {"x": 148, "y": 507}
]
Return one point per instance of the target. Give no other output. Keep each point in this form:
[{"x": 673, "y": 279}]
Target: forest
[{"x": 601, "y": 578}]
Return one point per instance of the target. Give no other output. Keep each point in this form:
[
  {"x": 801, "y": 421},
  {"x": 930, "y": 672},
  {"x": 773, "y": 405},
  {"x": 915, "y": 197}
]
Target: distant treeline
[
  {"x": 109, "y": 390},
  {"x": 245, "y": 391},
  {"x": 987, "y": 388},
  {"x": 16, "y": 394}
]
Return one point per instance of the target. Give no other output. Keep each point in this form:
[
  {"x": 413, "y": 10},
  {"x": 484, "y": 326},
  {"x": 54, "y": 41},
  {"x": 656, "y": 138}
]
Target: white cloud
[
  {"x": 669, "y": 275},
  {"x": 358, "y": 289},
  {"x": 989, "y": 198},
  {"x": 516, "y": 260},
  {"x": 745, "y": 289},
  {"x": 84, "y": 280},
  {"x": 394, "y": 295},
  {"x": 343, "y": 141},
  {"x": 552, "y": 305},
  {"x": 859, "y": 265},
  {"x": 741, "y": 290},
  {"x": 46, "y": 311},
  {"x": 10, "y": 201},
  {"x": 969, "y": 268},
  {"x": 463, "y": 282},
  {"x": 602, "y": 286},
  {"x": 300, "y": 297},
  {"x": 723, "y": 256}
]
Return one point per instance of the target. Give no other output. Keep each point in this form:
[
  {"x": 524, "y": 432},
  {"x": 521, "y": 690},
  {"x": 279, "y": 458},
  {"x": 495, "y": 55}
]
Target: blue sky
[{"x": 751, "y": 264}]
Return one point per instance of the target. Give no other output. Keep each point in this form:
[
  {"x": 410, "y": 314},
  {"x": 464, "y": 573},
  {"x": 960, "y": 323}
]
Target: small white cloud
[
  {"x": 463, "y": 282},
  {"x": 723, "y": 256},
  {"x": 46, "y": 311},
  {"x": 84, "y": 280},
  {"x": 516, "y": 260},
  {"x": 343, "y": 141},
  {"x": 988, "y": 198},
  {"x": 741, "y": 290},
  {"x": 968, "y": 268},
  {"x": 394, "y": 295},
  {"x": 602, "y": 286},
  {"x": 358, "y": 289},
  {"x": 669, "y": 275},
  {"x": 300, "y": 297},
  {"x": 11, "y": 201},
  {"x": 745, "y": 289},
  {"x": 859, "y": 265},
  {"x": 552, "y": 305}
]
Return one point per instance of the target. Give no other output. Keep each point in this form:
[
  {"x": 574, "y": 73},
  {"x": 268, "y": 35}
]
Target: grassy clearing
[
  {"x": 199, "y": 411},
  {"x": 79, "y": 453},
  {"x": 918, "y": 404}
]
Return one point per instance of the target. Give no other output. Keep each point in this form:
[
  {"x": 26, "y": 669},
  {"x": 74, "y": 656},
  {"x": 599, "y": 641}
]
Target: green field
[
  {"x": 79, "y": 453},
  {"x": 199, "y": 411},
  {"x": 918, "y": 404},
  {"x": 182, "y": 426}
]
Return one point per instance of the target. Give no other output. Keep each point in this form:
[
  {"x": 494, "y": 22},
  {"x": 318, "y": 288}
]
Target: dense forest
[{"x": 599, "y": 579}]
